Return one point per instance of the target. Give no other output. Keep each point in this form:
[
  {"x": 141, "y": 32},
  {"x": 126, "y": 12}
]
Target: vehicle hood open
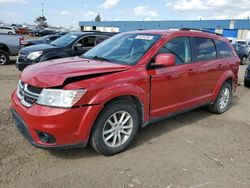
[{"x": 54, "y": 73}]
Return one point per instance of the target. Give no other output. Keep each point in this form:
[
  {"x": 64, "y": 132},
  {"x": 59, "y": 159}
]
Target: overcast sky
[{"x": 69, "y": 12}]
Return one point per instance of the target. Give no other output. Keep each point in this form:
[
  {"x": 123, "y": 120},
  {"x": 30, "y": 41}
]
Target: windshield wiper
[{"x": 99, "y": 58}]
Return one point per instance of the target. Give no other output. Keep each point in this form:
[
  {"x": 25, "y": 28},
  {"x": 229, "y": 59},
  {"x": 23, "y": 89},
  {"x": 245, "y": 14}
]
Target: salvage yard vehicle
[
  {"x": 7, "y": 30},
  {"x": 72, "y": 44},
  {"x": 242, "y": 52},
  {"x": 128, "y": 81},
  {"x": 9, "y": 46},
  {"x": 247, "y": 77},
  {"x": 22, "y": 30}
]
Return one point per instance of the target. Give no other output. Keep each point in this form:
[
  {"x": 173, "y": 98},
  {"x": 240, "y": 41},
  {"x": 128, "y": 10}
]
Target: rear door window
[
  {"x": 180, "y": 47},
  {"x": 88, "y": 41},
  {"x": 99, "y": 39},
  {"x": 203, "y": 49},
  {"x": 223, "y": 49}
]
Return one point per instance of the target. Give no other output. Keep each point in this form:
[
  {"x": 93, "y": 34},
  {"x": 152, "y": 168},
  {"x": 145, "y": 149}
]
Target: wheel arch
[
  {"x": 132, "y": 99},
  {"x": 229, "y": 77},
  {"x": 4, "y": 48}
]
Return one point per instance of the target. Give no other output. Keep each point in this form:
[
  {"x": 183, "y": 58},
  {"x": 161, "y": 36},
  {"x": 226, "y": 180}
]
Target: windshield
[
  {"x": 123, "y": 48},
  {"x": 64, "y": 40},
  {"x": 44, "y": 38}
]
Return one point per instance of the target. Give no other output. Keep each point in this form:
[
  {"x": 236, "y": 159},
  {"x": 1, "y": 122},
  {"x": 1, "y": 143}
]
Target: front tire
[
  {"x": 244, "y": 61},
  {"x": 223, "y": 100},
  {"x": 115, "y": 128},
  {"x": 4, "y": 58}
]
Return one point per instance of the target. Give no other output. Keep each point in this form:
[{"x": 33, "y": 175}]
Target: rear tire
[
  {"x": 4, "y": 58},
  {"x": 10, "y": 33},
  {"x": 115, "y": 128},
  {"x": 223, "y": 100},
  {"x": 246, "y": 83}
]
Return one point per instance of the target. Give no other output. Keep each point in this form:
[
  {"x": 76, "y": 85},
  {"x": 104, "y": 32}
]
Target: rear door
[
  {"x": 173, "y": 87},
  {"x": 209, "y": 66}
]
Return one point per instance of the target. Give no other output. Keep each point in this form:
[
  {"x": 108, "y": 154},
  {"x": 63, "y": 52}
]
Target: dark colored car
[
  {"x": 247, "y": 77},
  {"x": 42, "y": 40},
  {"x": 128, "y": 81},
  {"x": 69, "y": 45},
  {"x": 41, "y": 33},
  {"x": 242, "y": 53}
]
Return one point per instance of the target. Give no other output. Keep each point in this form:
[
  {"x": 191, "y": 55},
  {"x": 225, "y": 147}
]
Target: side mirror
[
  {"x": 77, "y": 46},
  {"x": 164, "y": 60}
]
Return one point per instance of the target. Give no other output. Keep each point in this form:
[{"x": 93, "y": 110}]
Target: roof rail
[{"x": 201, "y": 30}]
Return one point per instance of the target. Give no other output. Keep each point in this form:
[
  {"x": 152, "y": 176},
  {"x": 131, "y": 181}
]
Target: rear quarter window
[
  {"x": 203, "y": 49},
  {"x": 223, "y": 49}
]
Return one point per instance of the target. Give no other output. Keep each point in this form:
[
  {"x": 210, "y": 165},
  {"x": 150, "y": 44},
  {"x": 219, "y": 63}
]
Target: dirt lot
[{"x": 196, "y": 149}]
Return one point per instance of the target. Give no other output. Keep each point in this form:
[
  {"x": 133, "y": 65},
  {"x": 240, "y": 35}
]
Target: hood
[
  {"x": 54, "y": 73},
  {"x": 40, "y": 47},
  {"x": 38, "y": 41}
]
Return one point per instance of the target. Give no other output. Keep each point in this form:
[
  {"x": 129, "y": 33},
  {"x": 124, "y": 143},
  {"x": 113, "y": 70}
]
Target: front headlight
[
  {"x": 34, "y": 55},
  {"x": 59, "y": 97}
]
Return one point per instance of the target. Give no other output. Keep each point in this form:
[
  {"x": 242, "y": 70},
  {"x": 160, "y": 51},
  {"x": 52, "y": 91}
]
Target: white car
[{"x": 7, "y": 30}]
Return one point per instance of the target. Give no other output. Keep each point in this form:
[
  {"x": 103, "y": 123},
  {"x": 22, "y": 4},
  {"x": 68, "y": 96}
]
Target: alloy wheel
[
  {"x": 3, "y": 59},
  {"x": 117, "y": 129},
  {"x": 224, "y": 98}
]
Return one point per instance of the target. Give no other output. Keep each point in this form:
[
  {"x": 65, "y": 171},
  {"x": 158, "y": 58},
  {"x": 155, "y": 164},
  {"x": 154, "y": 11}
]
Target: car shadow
[
  {"x": 165, "y": 126},
  {"x": 145, "y": 134}
]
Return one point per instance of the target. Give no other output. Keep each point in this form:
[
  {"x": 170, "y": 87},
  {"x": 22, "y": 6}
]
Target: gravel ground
[{"x": 195, "y": 149}]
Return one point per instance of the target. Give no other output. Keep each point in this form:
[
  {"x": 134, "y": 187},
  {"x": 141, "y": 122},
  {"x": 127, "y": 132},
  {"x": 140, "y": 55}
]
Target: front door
[
  {"x": 83, "y": 45},
  {"x": 173, "y": 87}
]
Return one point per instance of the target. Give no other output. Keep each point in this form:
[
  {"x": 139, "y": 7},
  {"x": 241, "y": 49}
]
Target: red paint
[{"x": 161, "y": 91}]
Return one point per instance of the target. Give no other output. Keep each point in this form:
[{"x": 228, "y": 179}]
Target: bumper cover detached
[{"x": 23, "y": 129}]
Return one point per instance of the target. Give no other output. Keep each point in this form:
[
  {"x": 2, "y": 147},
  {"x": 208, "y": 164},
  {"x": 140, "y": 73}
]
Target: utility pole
[{"x": 42, "y": 9}]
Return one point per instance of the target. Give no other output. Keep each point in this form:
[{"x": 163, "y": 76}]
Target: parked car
[
  {"x": 72, "y": 44},
  {"x": 34, "y": 32},
  {"x": 242, "y": 53},
  {"x": 9, "y": 46},
  {"x": 22, "y": 30},
  {"x": 7, "y": 30},
  {"x": 42, "y": 40},
  {"x": 243, "y": 42},
  {"x": 247, "y": 77},
  {"x": 129, "y": 81},
  {"x": 41, "y": 33}
]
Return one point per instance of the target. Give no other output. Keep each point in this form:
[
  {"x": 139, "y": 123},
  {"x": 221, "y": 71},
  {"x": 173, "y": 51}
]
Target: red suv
[{"x": 128, "y": 81}]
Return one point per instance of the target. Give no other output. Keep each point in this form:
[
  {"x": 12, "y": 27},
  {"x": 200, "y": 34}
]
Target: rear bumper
[{"x": 69, "y": 127}]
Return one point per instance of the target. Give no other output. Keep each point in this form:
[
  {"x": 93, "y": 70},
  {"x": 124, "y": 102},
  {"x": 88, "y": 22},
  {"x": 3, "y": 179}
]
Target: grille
[{"x": 28, "y": 94}]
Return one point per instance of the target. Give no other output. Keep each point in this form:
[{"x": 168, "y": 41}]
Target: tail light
[{"x": 21, "y": 40}]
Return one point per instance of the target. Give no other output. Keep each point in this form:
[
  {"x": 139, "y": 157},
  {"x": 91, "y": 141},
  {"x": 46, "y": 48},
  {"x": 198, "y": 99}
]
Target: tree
[
  {"x": 41, "y": 22},
  {"x": 98, "y": 18}
]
